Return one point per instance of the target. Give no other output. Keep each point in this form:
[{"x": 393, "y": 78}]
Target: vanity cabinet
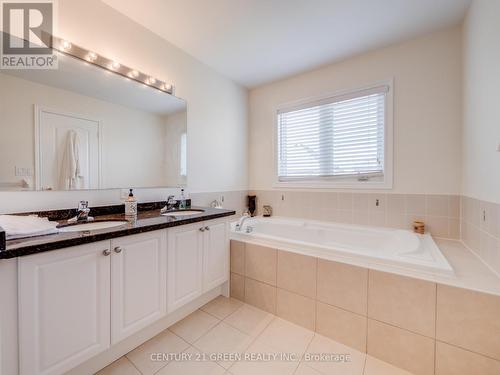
[
  {"x": 77, "y": 302},
  {"x": 185, "y": 264},
  {"x": 198, "y": 260},
  {"x": 138, "y": 282},
  {"x": 215, "y": 254},
  {"x": 64, "y": 309}
]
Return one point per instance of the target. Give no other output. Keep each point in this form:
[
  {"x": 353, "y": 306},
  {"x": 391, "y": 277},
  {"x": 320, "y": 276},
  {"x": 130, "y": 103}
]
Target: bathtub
[{"x": 353, "y": 244}]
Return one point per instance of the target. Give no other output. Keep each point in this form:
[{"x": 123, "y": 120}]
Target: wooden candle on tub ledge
[{"x": 419, "y": 227}]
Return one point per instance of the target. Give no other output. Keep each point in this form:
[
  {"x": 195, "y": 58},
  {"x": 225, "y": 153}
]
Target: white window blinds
[{"x": 340, "y": 136}]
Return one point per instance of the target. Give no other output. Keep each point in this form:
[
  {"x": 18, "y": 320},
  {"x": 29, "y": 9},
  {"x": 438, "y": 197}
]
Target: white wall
[
  {"x": 481, "y": 161},
  {"x": 217, "y": 107},
  {"x": 427, "y": 110}
]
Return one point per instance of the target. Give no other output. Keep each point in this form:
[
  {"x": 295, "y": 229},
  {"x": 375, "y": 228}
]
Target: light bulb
[
  {"x": 91, "y": 57},
  {"x": 114, "y": 65},
  {"x": 151, "y": 81},
  {"x": 133, "y": 74},
  {"x": 65, "y": 45}
]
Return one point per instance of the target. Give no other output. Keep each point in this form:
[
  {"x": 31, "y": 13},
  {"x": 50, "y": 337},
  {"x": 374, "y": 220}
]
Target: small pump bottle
[{"x": 131, "y": 205}]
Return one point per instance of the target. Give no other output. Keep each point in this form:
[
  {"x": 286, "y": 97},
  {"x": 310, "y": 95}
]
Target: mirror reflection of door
[{"x": 68, "y": 156}]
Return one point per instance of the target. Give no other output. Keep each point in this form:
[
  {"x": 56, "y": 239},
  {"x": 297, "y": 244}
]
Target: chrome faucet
[
  {"x": 82, "y": 213},
  {"x": 171, "y": 202},
  {"x": 244, "y": 218}
]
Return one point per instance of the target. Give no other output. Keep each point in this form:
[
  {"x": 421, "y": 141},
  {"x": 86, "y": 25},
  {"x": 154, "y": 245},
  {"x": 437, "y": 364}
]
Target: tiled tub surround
[
  {"x": 441, "y": 213},
  {"x": 420, "y": 325},
  {"x": 481, "y": 229}
]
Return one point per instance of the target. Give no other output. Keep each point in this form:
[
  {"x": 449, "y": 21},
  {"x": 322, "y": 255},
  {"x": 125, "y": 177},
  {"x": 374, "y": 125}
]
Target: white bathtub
[{"x": 354, "y": 244}]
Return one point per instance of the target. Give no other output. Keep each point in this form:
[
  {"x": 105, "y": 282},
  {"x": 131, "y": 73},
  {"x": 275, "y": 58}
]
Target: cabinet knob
[
  {"x": 118, "y": 249},
  {"x": 207, "y": 228},
  {"x": 202, "y": 229},
  {"x": 106, "y": 252}
]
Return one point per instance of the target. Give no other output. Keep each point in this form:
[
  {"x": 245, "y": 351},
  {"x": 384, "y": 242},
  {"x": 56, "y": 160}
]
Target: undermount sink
[
  {"x": 92, "y": 226},
  {"x": 182, "y": 212}
]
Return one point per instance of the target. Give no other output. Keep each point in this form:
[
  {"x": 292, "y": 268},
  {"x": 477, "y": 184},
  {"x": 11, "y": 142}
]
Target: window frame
[{"x": 342, "y": 182}]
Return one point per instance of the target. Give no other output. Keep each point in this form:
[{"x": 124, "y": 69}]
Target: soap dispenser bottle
[
  {"x": 131, "y": 205},
  {"x": 182, "y": 201}
]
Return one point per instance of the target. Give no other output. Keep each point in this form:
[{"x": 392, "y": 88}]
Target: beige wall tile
[
  {"x": 454, "y": 228},
  {"x": 469, "y": 319},
  {"x": 396, "y": 204},
  {"x": 237, "y": 286},
  {"x": 454, "y": 206},
  {"x": 238, "y": 257},
  {"x": 297, "y": 273},
  {"x": 402, "y": 301},
  {"x": 260, "y": 263},
  {"x": 360, "y": 202},
  {"x": 260, "y": 295},
  {"x": 343, "y": 285},
  {"x": 341, "y": 325},
  {"x": 296, "y": 308},
  {"x": 344, "y": 201},
  {"x": 451, "y": 360},
  {"x": 437, "y": 205},
  {"x": 404, "y": 349},
  {"x": 437, "y": 226},
  {"x": 415, "y": 204}
]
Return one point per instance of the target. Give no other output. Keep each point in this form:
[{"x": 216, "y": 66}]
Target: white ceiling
[{"x": 258, "y": 41}]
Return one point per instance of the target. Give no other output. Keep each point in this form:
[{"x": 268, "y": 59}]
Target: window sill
[{"x": 347, "y": 184}]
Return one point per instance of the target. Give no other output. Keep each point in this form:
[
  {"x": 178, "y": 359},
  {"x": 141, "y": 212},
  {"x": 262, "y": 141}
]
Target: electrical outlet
[{"x": 498, "y": 146}]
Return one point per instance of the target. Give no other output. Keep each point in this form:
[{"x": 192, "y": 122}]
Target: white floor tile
[
  {"x": 165, "y": 342},
  {"x": 264, "y": 366},
  {"x": 286, "y": 337},
  {"x": 303, "y": 369},
  {"x": 221, "y": 307},
  {"x": 223, "y": 340},
  {"x": 374, "y": 366},
  {"x": 249, "y": 320},
  {"x": 321, "y": 345},
  {"x": 121, "y": 366},
  {"x": 192, "y": 365},
  {"x": 192, "y": 327}
]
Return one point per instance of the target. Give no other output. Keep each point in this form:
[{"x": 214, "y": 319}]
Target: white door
[
  {"x": 185, "y": 264},
  {"x": 53, "y": 128},
  {"x": 138, "y": 282},
  {"x": 215, "y": 254},
  {"x": 64, "y": 312}
]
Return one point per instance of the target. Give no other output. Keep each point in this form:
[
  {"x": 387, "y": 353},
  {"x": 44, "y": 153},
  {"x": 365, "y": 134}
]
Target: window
[
  {"x": 183, "y": 155},
  {"x": 336, "y": 141}
]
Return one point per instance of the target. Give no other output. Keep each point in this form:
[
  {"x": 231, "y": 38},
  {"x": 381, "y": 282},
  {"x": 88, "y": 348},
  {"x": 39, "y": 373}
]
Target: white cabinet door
[
  {"x": 64, "y": 309},
  {"x": 138, "y": 282},
  {"x": 215, "y": 254},
  {"x": 185, "y": 265}
]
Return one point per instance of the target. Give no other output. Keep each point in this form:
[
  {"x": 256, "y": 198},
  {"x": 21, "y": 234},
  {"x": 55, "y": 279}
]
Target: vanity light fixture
[
  {"x": 133, "y": 74},
  {"x": 65, "y": 45},
  {"x": 91, "y": 57},
  {"x": 166, "y": 87}
]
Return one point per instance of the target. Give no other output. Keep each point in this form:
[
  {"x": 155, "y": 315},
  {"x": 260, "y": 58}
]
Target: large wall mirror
[{"x": 82, "y": 127}]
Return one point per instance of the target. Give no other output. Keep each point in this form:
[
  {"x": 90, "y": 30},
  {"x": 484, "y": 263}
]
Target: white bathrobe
[{"x": 71, "y": 177}]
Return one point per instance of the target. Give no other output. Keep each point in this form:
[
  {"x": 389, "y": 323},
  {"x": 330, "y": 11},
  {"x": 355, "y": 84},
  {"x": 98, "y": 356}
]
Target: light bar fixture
[{"x": 93, "y": 58}]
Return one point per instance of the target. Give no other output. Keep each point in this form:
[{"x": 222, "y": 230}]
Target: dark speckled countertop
[{"x": 147, "y": 221}]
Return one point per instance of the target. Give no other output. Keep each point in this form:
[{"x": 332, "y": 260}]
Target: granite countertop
[{"x": 147, "y": 220}]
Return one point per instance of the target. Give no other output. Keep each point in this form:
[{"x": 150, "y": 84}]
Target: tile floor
[{"x": 227, "y": 326}]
